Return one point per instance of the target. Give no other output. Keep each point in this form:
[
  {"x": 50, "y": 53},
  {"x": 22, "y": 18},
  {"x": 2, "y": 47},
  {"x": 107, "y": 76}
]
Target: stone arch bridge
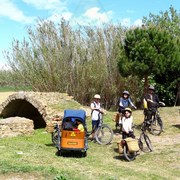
[{"x": 34, "y": 105}]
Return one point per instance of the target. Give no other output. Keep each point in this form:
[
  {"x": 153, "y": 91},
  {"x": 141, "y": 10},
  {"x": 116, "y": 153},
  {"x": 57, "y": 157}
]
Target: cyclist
[
  {"x": 127, "y": 123},
  {"x": 150, "y": 102},
  {"x": 96, "y": 112},
  {"x": 124, "y": 102}
]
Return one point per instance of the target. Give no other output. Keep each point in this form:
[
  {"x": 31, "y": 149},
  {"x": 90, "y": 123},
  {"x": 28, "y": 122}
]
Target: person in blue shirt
[{"x": 123, "y": 103}]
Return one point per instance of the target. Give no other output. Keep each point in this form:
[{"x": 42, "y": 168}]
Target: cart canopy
[{"x": 75, "y": 114}]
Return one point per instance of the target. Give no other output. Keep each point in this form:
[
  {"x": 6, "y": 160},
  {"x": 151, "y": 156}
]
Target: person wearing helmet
[
  {"x": 127, "y": 123},
  {"x": 124, "y": 102},
  {"x": 150, "y": 102},
  {"x": 96, "y": 112}
]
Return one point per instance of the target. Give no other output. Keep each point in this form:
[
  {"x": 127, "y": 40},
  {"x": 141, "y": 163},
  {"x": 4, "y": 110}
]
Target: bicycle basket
[{"x": 132, "y": 144}]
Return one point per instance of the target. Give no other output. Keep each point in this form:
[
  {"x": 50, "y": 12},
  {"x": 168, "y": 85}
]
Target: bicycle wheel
[
  {"x": 145, "y": 143},
  {"x": 129, "y": 156},
  {"x": 55, "y": 137},
  {"x": 104, "y": 134},
  {"x": 156, "y": 126}
]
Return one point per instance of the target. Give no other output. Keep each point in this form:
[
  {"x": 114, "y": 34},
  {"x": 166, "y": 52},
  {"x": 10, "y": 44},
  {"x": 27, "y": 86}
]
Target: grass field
[{"x": 34, "y": 157}]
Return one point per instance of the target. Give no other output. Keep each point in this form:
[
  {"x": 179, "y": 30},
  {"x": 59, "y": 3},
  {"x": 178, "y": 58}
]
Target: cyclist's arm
[
  {"x": 121, "y": 102},
  {"x": 131, "y": 103}
]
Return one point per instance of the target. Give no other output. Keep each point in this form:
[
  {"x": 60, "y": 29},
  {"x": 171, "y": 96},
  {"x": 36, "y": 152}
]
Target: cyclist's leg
[
  {"x": 149, "y": 116},
  {"x": 95, "y": 124}
]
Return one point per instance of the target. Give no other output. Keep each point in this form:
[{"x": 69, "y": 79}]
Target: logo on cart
[
  {"x": 72, "y": 143},
  {"x": 73, "y": 134}
]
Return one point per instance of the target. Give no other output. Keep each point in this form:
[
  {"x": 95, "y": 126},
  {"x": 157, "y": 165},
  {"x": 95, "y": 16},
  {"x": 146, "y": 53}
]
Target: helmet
[
  {"x": 97, "y": 96},
  {"x": 128, "y": 109},
  {"x": 126, "y": 92},
  {"x": 151, "y": 88}
]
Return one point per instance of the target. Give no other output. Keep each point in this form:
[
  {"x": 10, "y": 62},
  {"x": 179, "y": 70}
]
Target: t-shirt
[
  {"x": 81, "y": 127},
  {"x": 127, "y": 124},
  {"x": 124, "y": 103},
  {"x": 95, "y": 114}
]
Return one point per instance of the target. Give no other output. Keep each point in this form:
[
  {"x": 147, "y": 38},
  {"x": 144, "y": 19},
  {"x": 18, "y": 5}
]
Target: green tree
[
  {"x": 147, "y": 51},
  {"x": 168, "y": 82}
]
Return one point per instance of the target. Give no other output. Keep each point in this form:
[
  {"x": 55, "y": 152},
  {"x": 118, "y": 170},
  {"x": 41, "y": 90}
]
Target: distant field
[{"x": 6, "y": 89}]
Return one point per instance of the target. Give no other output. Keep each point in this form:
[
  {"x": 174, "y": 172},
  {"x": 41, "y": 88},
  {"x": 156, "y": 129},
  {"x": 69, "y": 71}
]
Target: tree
[
  {"x": 168, "y": 83},
  {"x": 147, "y": 51},
  {"x": 80, "y": 62}
]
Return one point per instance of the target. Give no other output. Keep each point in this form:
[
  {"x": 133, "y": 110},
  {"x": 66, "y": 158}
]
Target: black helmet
[
  {"x": 151, "y": 88},
  {"x": 126, "y": 92}
]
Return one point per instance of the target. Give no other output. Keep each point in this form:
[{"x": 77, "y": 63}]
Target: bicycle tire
[
  {"x": 129, "y": 156},
  {"x": 148, "y": 142},
  {"x": 156, "y": 126},
  {"x": 55, "y": 137},
  {"x": 145, "y": 143},
  {"x": 104, "y": 134}
]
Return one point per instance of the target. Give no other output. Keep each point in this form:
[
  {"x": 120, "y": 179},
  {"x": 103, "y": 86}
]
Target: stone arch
[{"x": 24, "y": 105}]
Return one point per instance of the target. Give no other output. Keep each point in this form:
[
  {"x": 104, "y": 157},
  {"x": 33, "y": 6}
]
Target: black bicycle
[
  {"x": 155, "y": 124},
  {"x": 144, "y": 140}
]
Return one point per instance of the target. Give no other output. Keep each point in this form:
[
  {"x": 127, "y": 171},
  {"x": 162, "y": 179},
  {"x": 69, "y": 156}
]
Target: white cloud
[
  {"x": 126, "y": 22},
  {"x": 94, "y": 14},
  {"x": 8, "y": 9},
  {"x": 46, "y": 4},
  {"x": 56, "y": 8},
  {"x": 138, "y": 22},
  {"x": 56, "y": 17}
]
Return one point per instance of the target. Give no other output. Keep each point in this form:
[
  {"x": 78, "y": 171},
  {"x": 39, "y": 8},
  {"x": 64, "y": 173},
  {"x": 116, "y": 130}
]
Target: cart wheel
[
  {"x": 59, "y": 152},
  {"x": 84, "y": 154}
]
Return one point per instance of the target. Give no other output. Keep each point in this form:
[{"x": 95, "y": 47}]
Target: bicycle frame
[{"x": 155, "y": 124}]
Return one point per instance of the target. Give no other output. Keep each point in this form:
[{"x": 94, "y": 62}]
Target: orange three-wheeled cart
[{"x": 69, "y": 138}]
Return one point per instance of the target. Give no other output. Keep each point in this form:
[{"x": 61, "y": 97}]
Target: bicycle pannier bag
[
  {"x": 120, "y": 148},
  {"x": 132, "y": 144}
]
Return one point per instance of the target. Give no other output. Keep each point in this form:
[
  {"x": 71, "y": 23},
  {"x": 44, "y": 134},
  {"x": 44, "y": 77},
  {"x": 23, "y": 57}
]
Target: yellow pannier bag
[
  {"x": 132, "y": 144},
  {"x": 120, "y": 148}
]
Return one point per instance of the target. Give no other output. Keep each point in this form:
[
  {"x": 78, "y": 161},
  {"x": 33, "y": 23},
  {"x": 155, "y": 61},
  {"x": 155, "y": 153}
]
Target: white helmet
[{"x": 97, "y": 96}]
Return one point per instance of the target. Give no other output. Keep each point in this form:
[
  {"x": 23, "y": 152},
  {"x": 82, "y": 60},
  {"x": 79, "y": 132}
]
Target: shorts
[{"x": 95, "y": 124}]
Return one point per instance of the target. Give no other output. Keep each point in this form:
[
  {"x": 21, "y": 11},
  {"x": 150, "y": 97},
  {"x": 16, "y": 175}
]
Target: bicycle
[
  {"x": 103, "y": 134},
  {"x": 129, "y": 153},
  {"x": 155, "y": 124},
  {"x": 144, "y": 141},
  {"x": 55, "y": 134}
]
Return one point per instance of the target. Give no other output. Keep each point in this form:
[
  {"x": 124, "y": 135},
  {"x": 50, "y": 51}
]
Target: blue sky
[{"x": 16, "y": 15}]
